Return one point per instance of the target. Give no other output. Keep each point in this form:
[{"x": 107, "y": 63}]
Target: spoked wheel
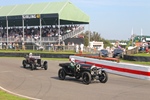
[
  {"x": 24, "y": 63},
  {"x": 86, "y": 77},
  {"x": 32, "y": 67},
  {"x": 61, "y": 74},
  {"x": 45, "y": 66},
  {"x": 103, "y": 77}
]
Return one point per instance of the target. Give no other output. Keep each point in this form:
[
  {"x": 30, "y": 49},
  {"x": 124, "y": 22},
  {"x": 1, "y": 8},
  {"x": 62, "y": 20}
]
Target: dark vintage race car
[
  {"x": 85, "y": 71},
  {"x": 33, "y": 62}
]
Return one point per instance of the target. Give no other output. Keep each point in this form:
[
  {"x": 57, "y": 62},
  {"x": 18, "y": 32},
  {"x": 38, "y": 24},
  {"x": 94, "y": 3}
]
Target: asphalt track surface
[{"x": 44, "y": 84}]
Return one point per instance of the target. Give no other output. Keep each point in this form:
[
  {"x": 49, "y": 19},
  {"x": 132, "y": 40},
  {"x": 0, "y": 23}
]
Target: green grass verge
[
  {"x": 7, "y": 96},
  {"x": 141, "y": 54},
  {"x": 35, "y": 51},
  {"x": 136, "y": 62},
  {"x": 55, "y": 59}
]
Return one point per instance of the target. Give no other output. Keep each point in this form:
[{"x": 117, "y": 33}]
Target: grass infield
[{"x": 7, "y": 96}]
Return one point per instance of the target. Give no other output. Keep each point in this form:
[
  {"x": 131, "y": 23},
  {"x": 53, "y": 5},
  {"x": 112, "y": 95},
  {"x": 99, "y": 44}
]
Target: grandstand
[{"x": 41, "y": 23}]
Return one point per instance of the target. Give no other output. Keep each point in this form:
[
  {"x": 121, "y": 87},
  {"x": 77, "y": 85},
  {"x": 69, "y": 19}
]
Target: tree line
[{"x": 95, "y": 36}]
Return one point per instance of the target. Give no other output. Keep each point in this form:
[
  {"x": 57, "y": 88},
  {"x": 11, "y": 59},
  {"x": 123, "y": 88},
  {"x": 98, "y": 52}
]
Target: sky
[{"x": 112, "y": 19}]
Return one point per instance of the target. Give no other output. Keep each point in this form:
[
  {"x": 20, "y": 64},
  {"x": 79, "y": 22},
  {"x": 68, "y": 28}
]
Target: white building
[{"x": 98, "y": 45}]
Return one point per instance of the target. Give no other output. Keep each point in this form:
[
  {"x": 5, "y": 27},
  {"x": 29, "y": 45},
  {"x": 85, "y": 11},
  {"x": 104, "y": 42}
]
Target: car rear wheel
[
  {"x": 61, "y": 74},
  {"x": 86, "y": 77},
  {"x": 103, "y": 77}
]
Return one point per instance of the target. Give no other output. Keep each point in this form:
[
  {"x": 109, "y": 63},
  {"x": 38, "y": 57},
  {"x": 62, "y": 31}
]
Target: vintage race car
[
  {"x": 33, "y": 62},
  {"x": 82, "y": 70}
]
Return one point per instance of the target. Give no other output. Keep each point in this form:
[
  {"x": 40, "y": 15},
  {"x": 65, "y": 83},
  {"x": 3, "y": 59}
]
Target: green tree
[
  {"x": 86, "y": 38},
  {"x": 106, "y": 43},
  {"x": 86, "y": 41},
  {"x": 95, "y": 36}
]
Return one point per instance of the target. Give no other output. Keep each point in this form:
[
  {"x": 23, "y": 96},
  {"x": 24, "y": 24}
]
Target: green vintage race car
[{"x": 82, "y": 70}]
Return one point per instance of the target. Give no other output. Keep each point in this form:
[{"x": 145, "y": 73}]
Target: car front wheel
[
  {"x": 103, "y": 77},
  {"x": 32, "y": 67},
  {"x": 86, "y": 77}
]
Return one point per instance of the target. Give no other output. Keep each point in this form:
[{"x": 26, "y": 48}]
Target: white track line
[{"x": 18, "y": 94}]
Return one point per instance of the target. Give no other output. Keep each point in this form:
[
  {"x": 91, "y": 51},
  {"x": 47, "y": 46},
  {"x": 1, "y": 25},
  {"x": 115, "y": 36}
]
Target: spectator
[
  {"x": 77, "y": 48},
  {"x": 10, "y": 45},
  {"x": 16, "y": 46},
  {"x": 4, "y": 46},
  {"x": 13, "y": 45},
  {"x": 81, "y": 47},
  {"x": 49, "y": 46},
  {"x": 1, "y": 45},
  {"x": 23, "y": 46}
]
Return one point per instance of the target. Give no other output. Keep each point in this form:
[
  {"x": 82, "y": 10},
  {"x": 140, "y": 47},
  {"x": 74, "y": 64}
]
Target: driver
[
  {"x": 30, "y": 54},
  {"x": 72, "y": 65},
  {"x": 28, "y": 57}
]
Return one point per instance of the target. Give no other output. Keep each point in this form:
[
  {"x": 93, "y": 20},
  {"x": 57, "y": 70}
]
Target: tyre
[
  {"x": 103, "y": 77},
  {"x": 86, "y": 78},
  {"x": 45, "y": 66},
  {"x": 61, "y": 74},
  {"x": 24, "y": 63},
  {"x": 32, "y": 67}
]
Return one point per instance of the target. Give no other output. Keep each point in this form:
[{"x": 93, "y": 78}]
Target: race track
[{"x": 44, "y": 84}]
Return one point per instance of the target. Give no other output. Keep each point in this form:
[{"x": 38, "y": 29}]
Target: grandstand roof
[{"x": 65, "y": 11}]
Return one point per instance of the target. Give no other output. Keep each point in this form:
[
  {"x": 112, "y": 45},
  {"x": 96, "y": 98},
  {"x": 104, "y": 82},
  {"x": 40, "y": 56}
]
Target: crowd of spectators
[
  {"x": 31, "y": 33},
  {"x": 34, "y": 32},
  {"x": 11, "y": 45},
  {"x": 145, "y": 47}
]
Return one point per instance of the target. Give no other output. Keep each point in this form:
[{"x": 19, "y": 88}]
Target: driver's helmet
[
  {"x": 30, "y": 54},
  {"x": 72, "y": 60}
]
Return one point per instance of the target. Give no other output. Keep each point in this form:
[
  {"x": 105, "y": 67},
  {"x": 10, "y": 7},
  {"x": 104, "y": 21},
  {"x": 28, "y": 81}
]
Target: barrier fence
[
  {"x": 125, "y": 69},
  {"x": 46, "y": 47}
]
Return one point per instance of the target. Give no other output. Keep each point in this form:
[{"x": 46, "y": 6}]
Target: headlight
[
  {"x": 93, "y": 70},
  {"x": 92, "y": 73},
  {"x": 99, "y": 71}
]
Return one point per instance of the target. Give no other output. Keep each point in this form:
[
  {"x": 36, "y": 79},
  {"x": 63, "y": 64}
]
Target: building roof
[{"x": 65, "y": 11}]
